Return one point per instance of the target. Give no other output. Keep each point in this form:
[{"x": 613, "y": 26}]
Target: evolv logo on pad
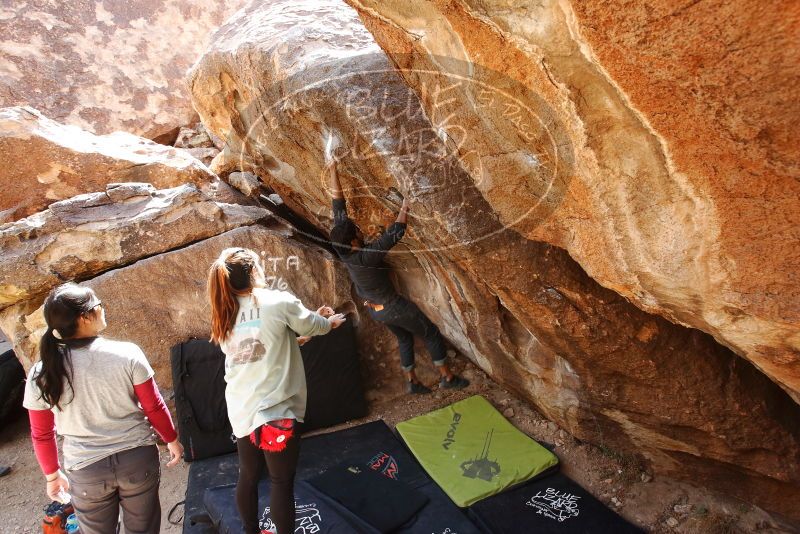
[{"x": 450, "y": 438}]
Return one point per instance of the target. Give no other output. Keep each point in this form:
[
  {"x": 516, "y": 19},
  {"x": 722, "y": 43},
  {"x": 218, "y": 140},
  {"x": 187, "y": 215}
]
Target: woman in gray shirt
[
  {"x": 100, "y": 395},
  {"x": 265, "y": 380}
]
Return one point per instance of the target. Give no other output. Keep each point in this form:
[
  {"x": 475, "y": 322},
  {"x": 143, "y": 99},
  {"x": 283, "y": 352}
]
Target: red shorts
[{"x": 273, "y": 436}]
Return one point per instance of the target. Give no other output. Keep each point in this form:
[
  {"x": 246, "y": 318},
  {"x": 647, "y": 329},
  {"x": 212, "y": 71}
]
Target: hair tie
[{"x": 56, "y": 334}]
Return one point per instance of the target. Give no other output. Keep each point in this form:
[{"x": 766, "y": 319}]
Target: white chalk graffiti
[
  {"x": 427, "y": 142},
  {"x": 558, "y": 505},
  {"x": 276, "y": 282},
  {"x": 308, "y": 519},
  {"x": 292, "y": 262}
]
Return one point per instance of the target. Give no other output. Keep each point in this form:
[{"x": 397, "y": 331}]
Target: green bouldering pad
[{"x": 473, "y": 452}]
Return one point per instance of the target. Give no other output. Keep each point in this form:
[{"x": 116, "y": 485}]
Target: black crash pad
[
  {"x": 204, "y": 474},
  {"x": 371, "y": 444},
  {"x": 378, "y": 500},
  {"x": 550, "y": 505},
  {"x": 375, "y": 445},
  {"x": 333, "y": 377},
  {"x": 314, "y": 512}
]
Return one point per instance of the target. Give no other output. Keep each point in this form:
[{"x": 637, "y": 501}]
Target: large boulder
[
  {"x": 106, "y": 65},
  {"x": 44, "y": 161},
  {"x": 487, "y": 194},
  {"x": 83, "y": 236},
  {"x": 683, "y": 189},
  {"x": 161, "y": 301}
]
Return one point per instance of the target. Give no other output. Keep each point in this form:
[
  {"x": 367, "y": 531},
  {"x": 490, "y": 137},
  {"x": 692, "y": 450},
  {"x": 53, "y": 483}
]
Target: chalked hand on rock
[
  {"x": 334, "y": 151},
  {"x": 394, "y": 196}
]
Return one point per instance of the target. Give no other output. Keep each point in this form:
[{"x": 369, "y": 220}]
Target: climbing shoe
[
  {"x": 417, "y": 388},
  {"x": 455, "y": 383}
]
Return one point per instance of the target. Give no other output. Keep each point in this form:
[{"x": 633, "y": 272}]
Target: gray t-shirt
[
  {"x": 263, "y": 366},
  {"x": 100, "y": 416}
]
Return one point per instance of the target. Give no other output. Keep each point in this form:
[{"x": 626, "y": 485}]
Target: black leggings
[{"x": 281, "y": 467}]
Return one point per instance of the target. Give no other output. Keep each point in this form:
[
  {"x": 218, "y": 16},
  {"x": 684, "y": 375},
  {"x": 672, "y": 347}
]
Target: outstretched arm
[
  {"x": 334, "y": 187},
  {"x": 307, "y": 323},
  {"x": 390, "y": 237},
  {"x": 338, "y": 204},
  {"x": 402, "y": 216}
]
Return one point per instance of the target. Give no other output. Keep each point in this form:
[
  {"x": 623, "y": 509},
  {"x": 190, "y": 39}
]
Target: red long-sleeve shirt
[{"x": 43, "y": 428}]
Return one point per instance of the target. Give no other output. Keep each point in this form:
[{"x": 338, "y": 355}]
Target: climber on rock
[{"x": 370, "y": 274}]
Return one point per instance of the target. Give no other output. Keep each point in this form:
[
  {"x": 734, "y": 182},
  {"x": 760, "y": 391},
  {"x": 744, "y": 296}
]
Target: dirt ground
[{"x": 659, "y": 504}]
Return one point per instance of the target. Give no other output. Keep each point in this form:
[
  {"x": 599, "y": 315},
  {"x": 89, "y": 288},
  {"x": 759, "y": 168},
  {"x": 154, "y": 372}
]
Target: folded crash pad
[
  {"x": 315, "y": 514},
  {"x": 203, "y": 474},
  {"x": 371, "y": 444},
  {"x": 333, "y": 378},
  {"x": 375, "y": 446},
  {"x": 550, "y": 505},
  {"x": 384, "y": 503},
  {"x": 473, "y": 452},
  {"x": 198, "y": 376}
]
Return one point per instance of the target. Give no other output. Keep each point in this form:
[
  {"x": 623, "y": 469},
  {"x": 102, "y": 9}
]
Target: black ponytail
[{"x": 62, "y": 309}]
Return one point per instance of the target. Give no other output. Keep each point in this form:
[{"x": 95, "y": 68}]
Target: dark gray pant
[
  {"x": 128, "y": 479},
  {"x": 406, "y": 320}
]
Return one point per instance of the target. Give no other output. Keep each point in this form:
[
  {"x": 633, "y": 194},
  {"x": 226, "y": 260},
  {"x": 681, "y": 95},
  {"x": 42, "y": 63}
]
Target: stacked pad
[
  {"x": 378, "y": 500},
  {"x": 473, "y": 452},
  {"x": 371, "y": 444},
  {"x": 374, "y": 445},
  {"x": 203, "y": 474},
  {"x": 314, "y": 513},
  {"x": 551, "y": 505},
  {"x": 333, "y": 378}
]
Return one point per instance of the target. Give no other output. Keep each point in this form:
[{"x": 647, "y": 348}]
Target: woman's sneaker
[
  {"x": 417, "y": 388},
  {"x": 454, "y": 383}
]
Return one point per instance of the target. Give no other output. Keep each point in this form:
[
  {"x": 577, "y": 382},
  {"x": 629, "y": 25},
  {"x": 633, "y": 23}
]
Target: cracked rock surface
[
  {"x": 160, "y": 301},
  {"x": 44, "y": 161},
  {"x": 81, "y": 237}
]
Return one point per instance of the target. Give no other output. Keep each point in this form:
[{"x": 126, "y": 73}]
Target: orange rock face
[
  {"x": 684, "y": 197},
  {"x": 106, "y": 65},
  {"x": 504, "y": 156},
  {"x": 716, "y": 81}
]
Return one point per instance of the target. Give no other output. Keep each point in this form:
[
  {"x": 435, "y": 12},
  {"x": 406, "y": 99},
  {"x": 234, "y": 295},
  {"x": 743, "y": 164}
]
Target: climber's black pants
[
  {"x": 406, "y": 320},
  {"x": 281, "y": 467}
]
